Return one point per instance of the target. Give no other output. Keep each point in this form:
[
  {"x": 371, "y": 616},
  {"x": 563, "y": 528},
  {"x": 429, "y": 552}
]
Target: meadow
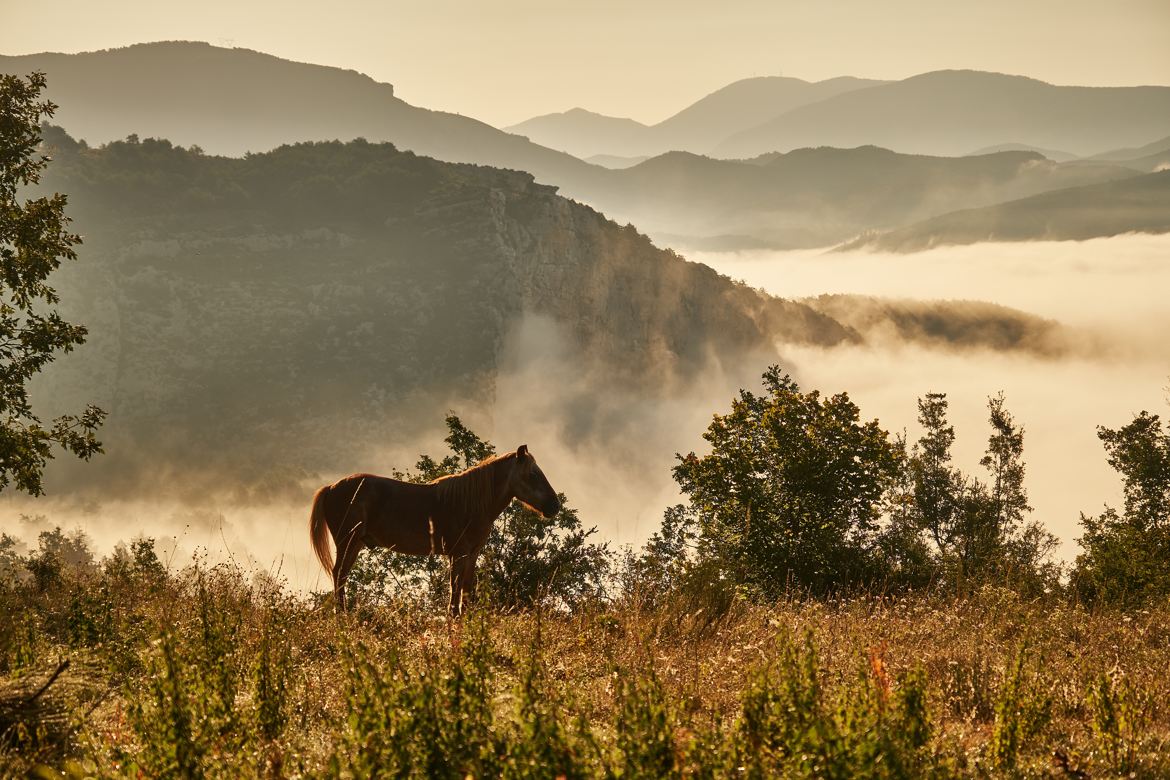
[{"x": 210, "y": 671}]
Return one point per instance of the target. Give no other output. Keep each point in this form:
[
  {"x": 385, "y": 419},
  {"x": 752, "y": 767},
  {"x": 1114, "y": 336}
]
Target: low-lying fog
[
  {"x": 612, "y": 454},
  {"x": 1113, "y": 288}
]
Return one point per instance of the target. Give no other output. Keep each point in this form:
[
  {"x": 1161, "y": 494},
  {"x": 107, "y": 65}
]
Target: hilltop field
[{"x": 212, "y": 672}]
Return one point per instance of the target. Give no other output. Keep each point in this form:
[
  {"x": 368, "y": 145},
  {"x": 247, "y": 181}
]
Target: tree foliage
[
  {"x": 1126, "y": 555},
  {"x": 799, "y": 493},
  {"x": 34, "y": 239},
  {"x": 793, "y": 491},
  {"x": 980, "y": 532}
]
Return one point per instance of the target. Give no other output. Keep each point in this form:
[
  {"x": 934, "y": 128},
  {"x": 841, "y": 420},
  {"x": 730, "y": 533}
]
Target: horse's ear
[{"x": 522, "y": 450}]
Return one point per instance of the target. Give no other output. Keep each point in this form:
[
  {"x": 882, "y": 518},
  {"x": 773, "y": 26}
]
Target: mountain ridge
[
  {"x": 950, "y": 112},
  {"x": 696, "y": 128},
  {"x": 1138, "y": 204}
]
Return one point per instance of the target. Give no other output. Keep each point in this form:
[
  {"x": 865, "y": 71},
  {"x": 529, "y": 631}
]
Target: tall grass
[{"x": 210, "y": 673}]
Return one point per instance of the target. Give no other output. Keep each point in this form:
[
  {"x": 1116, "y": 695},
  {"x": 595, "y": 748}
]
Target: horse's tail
[{"x": 319, "y": 531}]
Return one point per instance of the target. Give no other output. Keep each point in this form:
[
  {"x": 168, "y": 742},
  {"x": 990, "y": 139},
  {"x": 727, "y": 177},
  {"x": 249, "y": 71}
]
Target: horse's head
[{"x": 531, "y": 487}]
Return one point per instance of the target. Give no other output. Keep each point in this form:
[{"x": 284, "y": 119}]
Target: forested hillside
[{"x": 262, "y": 310}]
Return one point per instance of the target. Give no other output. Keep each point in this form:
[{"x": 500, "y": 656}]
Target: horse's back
[{"x": 374, "y": 489}]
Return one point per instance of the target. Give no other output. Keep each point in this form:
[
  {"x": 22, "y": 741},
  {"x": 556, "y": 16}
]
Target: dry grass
[{"x": 1012, "y": 688}]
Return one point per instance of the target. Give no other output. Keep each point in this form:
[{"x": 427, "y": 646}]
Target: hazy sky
[{"x": 507, "y": 60}]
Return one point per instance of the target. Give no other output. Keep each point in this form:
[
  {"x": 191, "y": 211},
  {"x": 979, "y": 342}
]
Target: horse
[{"x": 449, "y": 516}]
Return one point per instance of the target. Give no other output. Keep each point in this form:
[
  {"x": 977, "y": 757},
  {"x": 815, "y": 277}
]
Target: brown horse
[{"x": 450, "y": 516}]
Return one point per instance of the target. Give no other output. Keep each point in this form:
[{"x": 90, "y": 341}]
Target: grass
[{"x": 211, "y": 673}]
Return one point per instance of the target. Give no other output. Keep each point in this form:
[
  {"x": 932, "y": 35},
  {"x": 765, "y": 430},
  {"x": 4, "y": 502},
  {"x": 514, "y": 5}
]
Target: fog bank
[
  {"x": 611, "y": 452},
  {"x": 1114, "y": 289}
]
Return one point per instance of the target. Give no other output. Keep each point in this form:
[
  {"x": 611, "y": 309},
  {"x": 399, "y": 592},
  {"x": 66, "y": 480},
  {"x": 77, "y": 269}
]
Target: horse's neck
[
  {"x": 496, "y": 492},
  {"x": 501, "y": 495}
]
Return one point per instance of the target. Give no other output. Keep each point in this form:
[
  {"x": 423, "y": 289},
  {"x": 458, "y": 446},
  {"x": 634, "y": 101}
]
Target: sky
[{"x": 508, "y": 60}]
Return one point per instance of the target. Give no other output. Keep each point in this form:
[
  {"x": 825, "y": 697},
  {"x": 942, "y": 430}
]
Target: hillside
[
  {"x": 1151, "y": 157},
  {"x": 1132, "y": 153},
  {"x": 952, "y": 112},
  {"x": 697, "y": 128},
  {"x": 951, "y": 325},
  {"x": 1136, "y": 205},
  {"x": 1052, "y": 154},
  {"x": 818, "y": 197},
  {"x": 234, "y": 101},
  {"x": 263, "y": 310}
]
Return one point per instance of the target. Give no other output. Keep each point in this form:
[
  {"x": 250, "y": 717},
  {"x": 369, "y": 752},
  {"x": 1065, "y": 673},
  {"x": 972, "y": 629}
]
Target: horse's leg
[
  {"x": 456, "y": 585},
  {"x": 469, "y": 579},
  {"x": 347, "y": 553},
  {"x": 462, "y": 583}
]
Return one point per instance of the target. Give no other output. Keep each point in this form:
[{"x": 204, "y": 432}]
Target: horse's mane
[{"x": 472, "y": 491}]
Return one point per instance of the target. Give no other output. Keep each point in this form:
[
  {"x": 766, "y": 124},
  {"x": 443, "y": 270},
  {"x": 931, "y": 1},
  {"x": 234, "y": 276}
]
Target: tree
[
  {"x": 527, "y": 560},
  {"x": 793, "y": 491},
  {"x": 1004, "y": 462},
  {"x": 936, "y": 484},
  {"x": 662, "y": 565},
  {"x": 1022, "y": 546},
  {"x": 34, "y": 239},
  {"x": 1126, "y": 556},
  {"x": 979, "y": 531}
]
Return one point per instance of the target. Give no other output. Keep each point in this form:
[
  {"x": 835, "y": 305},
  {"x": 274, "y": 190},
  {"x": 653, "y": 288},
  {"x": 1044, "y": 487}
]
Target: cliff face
[{"x": 256, "y": 314}]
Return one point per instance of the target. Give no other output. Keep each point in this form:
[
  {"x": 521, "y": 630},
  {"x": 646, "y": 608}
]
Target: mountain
[
  {"x": 1152, "y": 157},
  {"x": 1140, "y": 204},
  {"x": 1158, "y": 161},
  {"x": 1132, "y": 153},
  {"x": 585, "y": 134},
  {"x": 613, "y": 161},
  {"x": 234, "y": 101},
  {"x": 697, "y": 128},
  {"x": 259, "y": 315},
  {"x": 1052, "y": 154},
  {"x": 953, "y": 111},
  {"x": 748, "y": 103},
  {"x": 818, "y": 197}
]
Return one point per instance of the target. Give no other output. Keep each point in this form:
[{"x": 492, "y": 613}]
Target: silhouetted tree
[
  {"x": 1126, "y": 556},
  {"x": 34, "y": 239}
]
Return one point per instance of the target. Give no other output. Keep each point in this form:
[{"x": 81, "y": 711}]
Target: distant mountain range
[
  {"x": 818, "y": 197},
  {"x": 1140, "y": 204},
  {"x": 946, "y": 113},
  {"x": 698, "y": 128},
  {"x": 233, "y": 101},
  {"x": 952, "y": 112}
]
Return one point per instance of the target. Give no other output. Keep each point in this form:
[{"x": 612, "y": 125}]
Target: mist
[
  {"x": 1113, "y": 291},
  {"x": 610, "y": 450}
]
